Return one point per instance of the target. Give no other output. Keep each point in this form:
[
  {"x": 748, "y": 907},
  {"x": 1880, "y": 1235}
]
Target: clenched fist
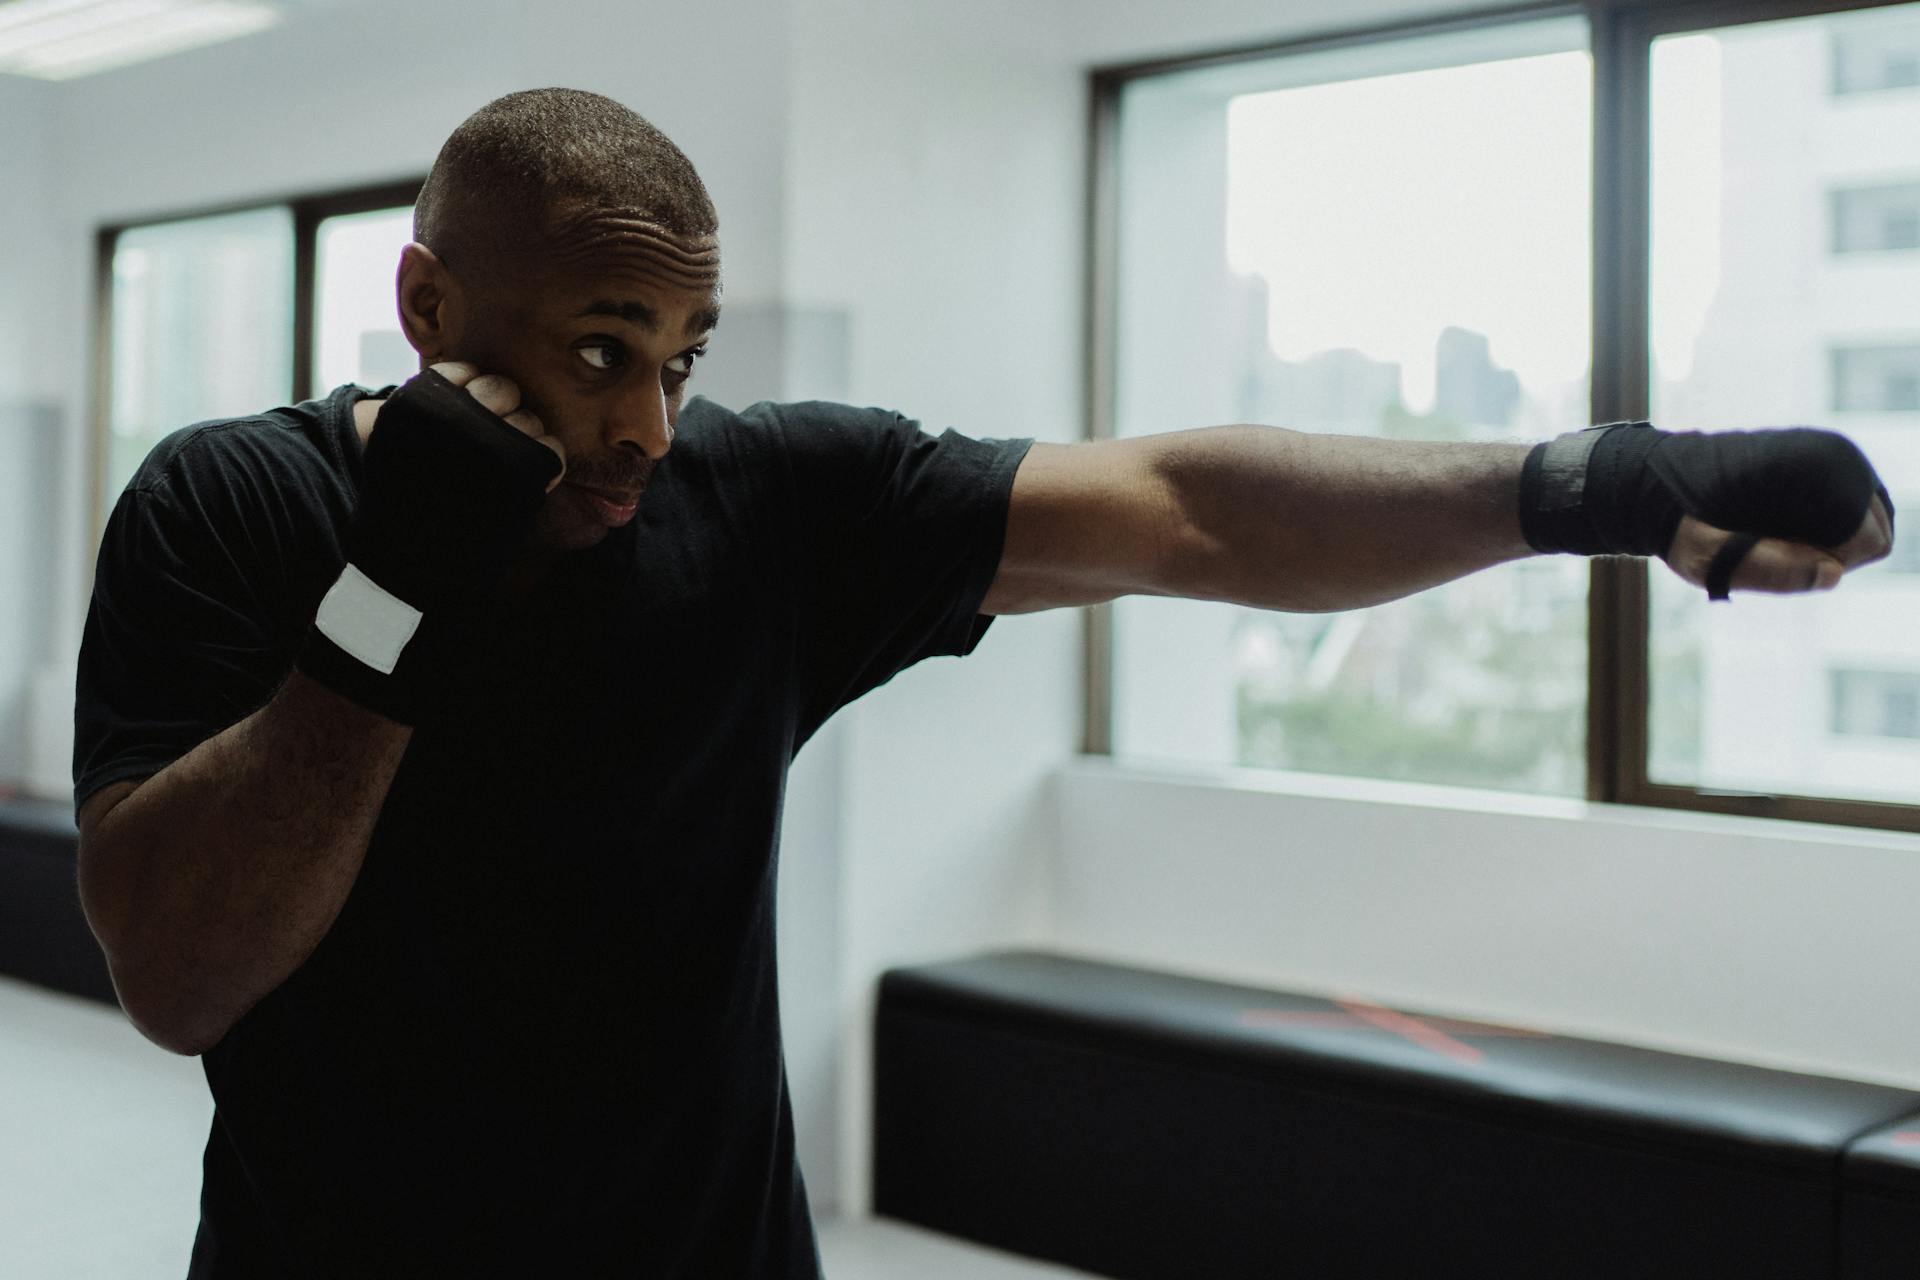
[{"x": 454, "y": 473}]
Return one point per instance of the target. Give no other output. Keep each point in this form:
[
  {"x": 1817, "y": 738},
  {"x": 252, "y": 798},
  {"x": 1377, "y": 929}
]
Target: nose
[{"x": 641, "y": 420}]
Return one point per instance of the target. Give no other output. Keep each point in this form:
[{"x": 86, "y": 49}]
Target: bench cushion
[
  {"x": 1143, "y": 1124},
  {"x": 44, "y": 936},
  {"x": 1880, "y": 1210}
]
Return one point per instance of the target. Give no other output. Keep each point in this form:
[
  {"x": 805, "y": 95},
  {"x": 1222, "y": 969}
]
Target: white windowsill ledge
[{"x": 1429, "y": 796}]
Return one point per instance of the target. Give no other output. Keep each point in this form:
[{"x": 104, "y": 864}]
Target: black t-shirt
[{"x": 542, "y": 1036}]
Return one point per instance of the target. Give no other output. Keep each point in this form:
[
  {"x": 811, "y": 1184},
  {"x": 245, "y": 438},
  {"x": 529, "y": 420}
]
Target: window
[
  {"x": 1398, "y": 233},
  {"x": 202, "y": 327},
  {"x": 230, "y": 313},
  {"x": 1876, "y": 50},
  {"x": 1905, "y": 556},
  {"x": 1387, "y": 242},
  {"x": 1880, "y": 704},
  {"x": 1876, "y": 379},
  {"x": 357, "y": 335},
  {"x": 1872, "y": 219}
]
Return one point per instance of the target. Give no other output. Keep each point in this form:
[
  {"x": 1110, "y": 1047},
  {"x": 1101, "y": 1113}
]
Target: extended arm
[{"x": 1306, "y": 522}]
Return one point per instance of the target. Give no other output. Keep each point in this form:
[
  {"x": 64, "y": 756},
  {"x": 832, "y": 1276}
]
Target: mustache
[{"x": 620, "y": 475}]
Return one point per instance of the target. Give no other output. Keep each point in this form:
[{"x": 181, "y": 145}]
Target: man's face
[{"x": 600, "y": 329}]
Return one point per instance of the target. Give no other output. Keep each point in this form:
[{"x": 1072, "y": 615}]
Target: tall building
[
  {"x": 1468, "y": 385},
  {"x": 1817, "y": 319}
]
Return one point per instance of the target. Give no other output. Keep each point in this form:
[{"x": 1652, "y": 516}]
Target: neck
[{"x": 364, "y": 412}]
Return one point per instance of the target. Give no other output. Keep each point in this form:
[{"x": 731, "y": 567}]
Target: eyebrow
[{"x": 647, "y": 318}]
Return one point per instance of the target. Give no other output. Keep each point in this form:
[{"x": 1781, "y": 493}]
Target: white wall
[
  {"x": 1778, "y": 943},
  {"x": 27, "y": 231},
  {"x": 29, "y": 424}
]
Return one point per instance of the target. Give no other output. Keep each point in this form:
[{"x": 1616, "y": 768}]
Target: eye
[
  {"x": 601, "y": 355},
  {"x": 682, "y": 364}
]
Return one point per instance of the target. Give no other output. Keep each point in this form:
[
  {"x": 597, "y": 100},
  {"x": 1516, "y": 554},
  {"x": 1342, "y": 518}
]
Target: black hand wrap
[
  {"x": 449, "y": 496},
  {"x": 1621, "y": 488}
]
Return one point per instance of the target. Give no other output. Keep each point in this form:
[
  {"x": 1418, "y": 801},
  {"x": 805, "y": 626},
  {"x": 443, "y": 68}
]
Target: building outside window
[
  {"x": 1782, "y": 333},
  {"x": 1883, "y": 704},
  {"x": 1876, "y": 379},
  {"x": 1877, "y": 56},
  {"x": 1877, "y": 219},
  {"x": 1905, "y": 556}
]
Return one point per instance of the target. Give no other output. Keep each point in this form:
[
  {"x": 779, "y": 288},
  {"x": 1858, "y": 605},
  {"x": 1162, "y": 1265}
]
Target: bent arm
[{"x": 208, "y": 884}]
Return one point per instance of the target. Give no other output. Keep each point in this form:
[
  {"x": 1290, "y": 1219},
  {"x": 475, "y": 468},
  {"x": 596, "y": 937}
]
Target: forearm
[
  {"x": 1311, "y": 523},
  {"x": 217, "y": 877}
]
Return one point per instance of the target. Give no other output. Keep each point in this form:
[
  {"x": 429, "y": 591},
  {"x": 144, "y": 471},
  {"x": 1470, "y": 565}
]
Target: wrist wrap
[
  {"x": 1622, "y": 487},
  {"x": 449, "y": 495}
]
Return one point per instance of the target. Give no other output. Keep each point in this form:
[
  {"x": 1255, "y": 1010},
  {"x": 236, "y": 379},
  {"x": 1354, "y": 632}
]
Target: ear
[{"x": 430, "y": 304}]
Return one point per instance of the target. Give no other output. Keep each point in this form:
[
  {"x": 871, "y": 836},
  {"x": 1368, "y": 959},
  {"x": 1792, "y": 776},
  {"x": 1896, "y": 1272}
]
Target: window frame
[
  {"x": 308, "y": 211},
  {"x": 1622, "y": 36}
]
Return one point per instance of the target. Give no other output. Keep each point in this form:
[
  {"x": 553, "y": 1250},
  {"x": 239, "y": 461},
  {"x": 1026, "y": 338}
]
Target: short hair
[{"x": 512, "y": 164}]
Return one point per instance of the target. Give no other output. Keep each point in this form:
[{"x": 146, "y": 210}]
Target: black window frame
[{"x": 1622, "y": 36}]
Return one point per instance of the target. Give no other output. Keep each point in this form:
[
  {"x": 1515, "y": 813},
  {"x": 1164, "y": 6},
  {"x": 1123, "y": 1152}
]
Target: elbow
[
  {"x": 152, "y": 979},
  {"x": 169, "y": 1019},
  {"x": 160, "y": 1005}
]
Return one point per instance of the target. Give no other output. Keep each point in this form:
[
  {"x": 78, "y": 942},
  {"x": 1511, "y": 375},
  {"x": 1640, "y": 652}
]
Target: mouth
[{"x": 611, "y": 507}]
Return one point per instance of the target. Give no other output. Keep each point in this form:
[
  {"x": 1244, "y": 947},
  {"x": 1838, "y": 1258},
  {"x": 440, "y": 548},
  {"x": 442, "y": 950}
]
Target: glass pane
[
  {"x": 202, "y": 319},
  {"x": 1384, "y": 240},
  {"x": 356, "y": 332},
  {"x": 1866, "y": 219},
  {"x": 1786, "y": 289},
  {"x": 1880, "y": 53}
]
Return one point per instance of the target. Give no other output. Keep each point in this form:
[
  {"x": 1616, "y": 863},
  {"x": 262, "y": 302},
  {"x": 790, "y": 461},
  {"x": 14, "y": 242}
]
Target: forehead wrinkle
[{"x": 577, "y": 240}]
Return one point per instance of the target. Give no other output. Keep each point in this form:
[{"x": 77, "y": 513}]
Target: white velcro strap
[{"x": 367, "y": 620}]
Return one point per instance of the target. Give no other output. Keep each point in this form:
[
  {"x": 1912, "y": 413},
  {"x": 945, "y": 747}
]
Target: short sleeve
[
  {"x": 175, "y": 647},
  {"x": 897, "y": 537}
]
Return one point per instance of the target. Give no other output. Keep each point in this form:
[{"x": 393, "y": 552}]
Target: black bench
[
  {"x": 1880, "y": 1213},
  {"x": 44, "y": 936},
  {"x": 1147, "y": 1126}
]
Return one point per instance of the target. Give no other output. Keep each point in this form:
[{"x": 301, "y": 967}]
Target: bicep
[
  {"x": 94, "y": 867},
  {"x": 1088, "y": 522},
  {"x": 100, "y": 803}
]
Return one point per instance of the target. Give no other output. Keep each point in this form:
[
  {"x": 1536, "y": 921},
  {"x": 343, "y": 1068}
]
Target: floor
[{"x": 100, "y": 1139}]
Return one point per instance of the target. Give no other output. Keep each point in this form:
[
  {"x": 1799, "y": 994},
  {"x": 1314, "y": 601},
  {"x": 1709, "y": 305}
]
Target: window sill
[{"x": 1434, "y": 797}]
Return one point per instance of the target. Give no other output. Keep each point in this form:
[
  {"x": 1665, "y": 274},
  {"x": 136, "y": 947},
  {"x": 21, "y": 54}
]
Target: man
[{"x": 430, "y": 745}]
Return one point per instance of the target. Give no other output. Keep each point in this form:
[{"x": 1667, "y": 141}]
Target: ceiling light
[{"x": 60, "y": 39}]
